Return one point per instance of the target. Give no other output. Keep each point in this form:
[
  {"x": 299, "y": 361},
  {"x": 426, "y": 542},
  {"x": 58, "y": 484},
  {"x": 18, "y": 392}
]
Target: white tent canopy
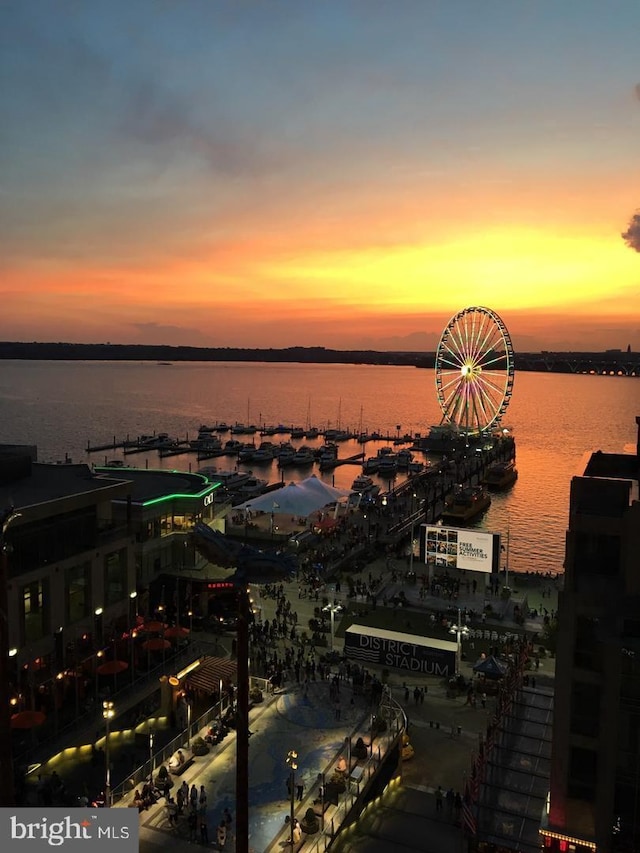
[{"x": 300, "y": 499}]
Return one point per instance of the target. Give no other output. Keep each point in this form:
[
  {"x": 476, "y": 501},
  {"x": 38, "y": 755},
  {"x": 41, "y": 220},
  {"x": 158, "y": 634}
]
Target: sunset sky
[{"x": 272, "y": 173}]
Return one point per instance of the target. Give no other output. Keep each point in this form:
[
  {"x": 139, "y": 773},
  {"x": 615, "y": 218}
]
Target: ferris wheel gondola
[{"x": 474, "y": 371}]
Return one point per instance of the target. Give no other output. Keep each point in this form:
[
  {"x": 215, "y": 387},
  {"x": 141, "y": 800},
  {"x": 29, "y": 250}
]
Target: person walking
[
  {"x": 193, "y": 797},
  {"x": 172, "y": 812},
  {"x": 221, "y": 834},
  {"x": 450, "y": 797},
  {"x": 439, "y": 796},
  {"x": 202, "y": 797},
  {"x": 300, "y": 791},
  {"x": 204, "y": 830},
  {"x": 192, "y": 821},
  {"x": 457, "y": 804}
]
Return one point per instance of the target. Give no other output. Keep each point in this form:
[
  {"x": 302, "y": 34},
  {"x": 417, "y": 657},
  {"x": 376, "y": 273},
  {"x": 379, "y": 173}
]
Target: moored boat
[
  {"x": 252, "y": 487},
  {"x": 303, "y": 456},
  {"x": 465, "y": 504},
  {"x": 500, "y": 475},
  {"x": 246, "y": 452},
  {"x": 365, "y": 486},
  {"x": 264, "y": 453},
  {"x": 285, "y": 453},
  {"x": 405, "y": 457},
  {"x": 371, "y": 465}
]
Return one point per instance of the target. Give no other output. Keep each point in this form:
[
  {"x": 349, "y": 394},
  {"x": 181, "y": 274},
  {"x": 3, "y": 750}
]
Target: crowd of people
[{"x": 186, "y": 811}]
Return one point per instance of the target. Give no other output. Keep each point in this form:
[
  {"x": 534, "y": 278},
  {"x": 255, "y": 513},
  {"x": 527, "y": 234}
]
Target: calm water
[{"x": 556, "y": 418}]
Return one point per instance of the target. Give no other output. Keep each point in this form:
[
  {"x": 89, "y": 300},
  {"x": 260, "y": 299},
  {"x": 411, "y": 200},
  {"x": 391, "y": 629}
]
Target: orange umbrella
[
  {"x": 156, "y": 644},
  {"x": 176, "y": 632},
  {"x": 27, "y": 719},
  {"x": 154, "y": 626},
  {"x": 112, "y": 667}
]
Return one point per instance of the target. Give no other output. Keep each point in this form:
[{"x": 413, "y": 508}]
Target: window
[
  {"x": 583, "y": 766},
  {"x": 77, "y": 592},
  {"x": 585, "y": 709},
  {"x": 587, "y": 649},
  {"x": 597, "y": 554},
  {"x": 35, "y": 610},
  {"x": 115, "y": 576}
]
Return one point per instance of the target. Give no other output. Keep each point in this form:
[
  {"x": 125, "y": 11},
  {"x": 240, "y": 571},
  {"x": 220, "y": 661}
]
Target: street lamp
[
  {"x": 413, "y": 497},
  {"x": 133, "y": 597},
  {"x": 150, "y": 757},
  {"x": 108, "y": 712},
  {"x": 292, "y": 762},
  {"x": 332, "y": 609},
  {"x": 460, "y": 631},
  {"x": 98, "y": 625},
  {"x": 247, "y": 518},
  {"x": 132, "y": 642}
]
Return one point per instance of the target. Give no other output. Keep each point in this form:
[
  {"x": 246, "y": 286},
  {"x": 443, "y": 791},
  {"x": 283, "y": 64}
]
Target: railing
[
  {"x": 145, "y": 771},
  {"x": 333, "y": 818},
  {"x": 91, "y": 718}
]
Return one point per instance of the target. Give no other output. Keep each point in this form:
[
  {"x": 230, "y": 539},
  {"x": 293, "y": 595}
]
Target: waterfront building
[
  {"x": 80, "y": 550},
  {"x": 594, "y": 802},
  {"x": 68, "y": 563}
]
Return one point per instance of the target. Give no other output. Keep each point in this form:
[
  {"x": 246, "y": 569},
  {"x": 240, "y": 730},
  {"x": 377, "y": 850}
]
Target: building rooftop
[
  {"x": 618, "y": 466},
  {"x": 149, "y": 485},
  {"x": 39, "y": 482}
]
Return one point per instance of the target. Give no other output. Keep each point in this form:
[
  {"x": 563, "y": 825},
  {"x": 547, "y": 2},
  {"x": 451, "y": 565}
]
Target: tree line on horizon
[{"x": 60, "y": 351}]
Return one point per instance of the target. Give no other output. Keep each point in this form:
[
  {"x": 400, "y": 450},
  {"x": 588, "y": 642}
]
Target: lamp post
[
  {"x": 292, "y": 762},
  {"x": 460, "y": 631},
  {"x": 7, "y": 795},
  {"x": 247, "y": 518},
  {"x": 133, "y": 597},
  {"x": 150, "y": 757},
  {"x": 98, "y": 625},
  {"x": 108, "y": 712},
  {"x": 506, "y": 565},
  {"x": 413, "y": 497},
  {"x": 132, "y": 639},
  {"x": 332, "y": 609}
]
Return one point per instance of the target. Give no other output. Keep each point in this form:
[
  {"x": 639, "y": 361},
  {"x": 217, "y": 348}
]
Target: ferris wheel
[{"x": 474, "y": 370}]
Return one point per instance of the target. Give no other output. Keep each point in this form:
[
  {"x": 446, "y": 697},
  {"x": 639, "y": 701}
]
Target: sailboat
[{"x": 310, "y": 431}]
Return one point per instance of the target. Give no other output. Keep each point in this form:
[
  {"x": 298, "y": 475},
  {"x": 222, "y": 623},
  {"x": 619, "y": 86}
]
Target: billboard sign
[
  {"x": 407, "y": 652},
  {"x": 461, "y": 548}
]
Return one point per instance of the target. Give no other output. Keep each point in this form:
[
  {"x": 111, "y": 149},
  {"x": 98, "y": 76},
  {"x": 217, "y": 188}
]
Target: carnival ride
[{"x": 474, "y": 371}]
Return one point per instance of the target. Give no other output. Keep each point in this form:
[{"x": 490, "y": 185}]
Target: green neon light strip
[{"x": 211, "y": 487}]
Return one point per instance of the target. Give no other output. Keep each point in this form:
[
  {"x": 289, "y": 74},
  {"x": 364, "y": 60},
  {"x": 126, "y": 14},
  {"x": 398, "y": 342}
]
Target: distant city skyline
[{"x": 347, "y": 174}]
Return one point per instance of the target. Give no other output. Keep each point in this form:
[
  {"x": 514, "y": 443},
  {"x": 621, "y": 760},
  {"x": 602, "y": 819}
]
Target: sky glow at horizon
[{"x": 347, "y": 174}]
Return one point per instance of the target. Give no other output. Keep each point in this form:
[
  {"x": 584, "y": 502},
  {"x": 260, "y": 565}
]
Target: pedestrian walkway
[{"x": 287, "y": 721}]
